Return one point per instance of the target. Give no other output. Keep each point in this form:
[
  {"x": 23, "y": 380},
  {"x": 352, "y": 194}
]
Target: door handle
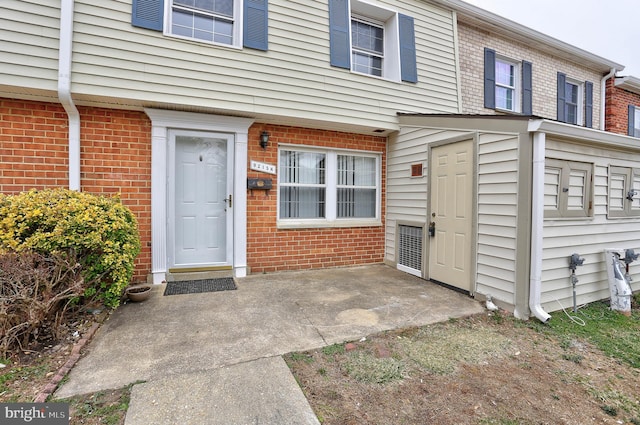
[
  {"x": 229, "y": 200},
  {"x": 432, "y": 229}
]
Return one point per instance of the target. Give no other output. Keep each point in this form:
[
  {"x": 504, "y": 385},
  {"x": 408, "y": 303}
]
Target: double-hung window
[
  {"x": 207, "y": 20},
  {"x": 507, "y": 84},
  {"x": 367, "y": 51},
  {"x": 234, "y": 23},
  {"x": 372, "y": 40},
  {"x": 574, "y": 101},
  {"x": 319, "y": 187},
  {"x": 624, "y": 192},
  {"x": 634, "y": 121}
]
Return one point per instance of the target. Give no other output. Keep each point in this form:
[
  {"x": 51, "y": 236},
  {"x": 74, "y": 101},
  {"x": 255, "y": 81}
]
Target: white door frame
[{"x": 161, "y": 122}]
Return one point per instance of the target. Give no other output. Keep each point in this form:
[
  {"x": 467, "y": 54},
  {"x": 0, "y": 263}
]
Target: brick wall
[
  {"x": 545, "y": 67},
  {"x": 272, "y": 249},
  {"x": 115, "y": 157},
  {"x": 617, "y": 107}
]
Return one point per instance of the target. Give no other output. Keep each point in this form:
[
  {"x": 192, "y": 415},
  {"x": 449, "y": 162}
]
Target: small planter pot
[{"x": 138, "y": 293}]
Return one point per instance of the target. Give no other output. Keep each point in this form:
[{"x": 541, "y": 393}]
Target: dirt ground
[{"x": 487, "y": 369}]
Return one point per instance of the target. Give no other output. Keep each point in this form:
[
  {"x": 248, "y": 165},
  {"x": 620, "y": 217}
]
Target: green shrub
[{"x": 101, "y": 232}]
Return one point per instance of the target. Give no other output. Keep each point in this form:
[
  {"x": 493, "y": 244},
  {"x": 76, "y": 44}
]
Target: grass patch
[
  {"x": 612, "y": 332},
  {"x": 439, "y": 351},
  {"x": 331, "y": 350},
  {"x": 365, "y": 367}
]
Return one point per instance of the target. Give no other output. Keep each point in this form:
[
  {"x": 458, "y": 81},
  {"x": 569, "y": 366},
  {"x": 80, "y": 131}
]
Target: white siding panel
[
  {"x": 497, "y": 214},
  {"x": 293, "y": 79},
  {"x": 29, "y": 44},
  {"x": 588, "y": 237}
]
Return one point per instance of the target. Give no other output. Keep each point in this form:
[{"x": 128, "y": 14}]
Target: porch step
[{"x": 212, "y": 274}]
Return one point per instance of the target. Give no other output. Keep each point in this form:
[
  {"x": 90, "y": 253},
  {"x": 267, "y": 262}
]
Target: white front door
[
  {"x": 451, "y": 187},
  {"x": 200, "y": 188}
]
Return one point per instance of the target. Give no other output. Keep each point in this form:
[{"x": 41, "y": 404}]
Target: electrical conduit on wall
[{"x": 64, "y": 91}]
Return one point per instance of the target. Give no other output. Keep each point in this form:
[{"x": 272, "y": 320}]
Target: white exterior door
[
  {"x": 201, "y": 187},
  {"x": 451, "y": 198}
]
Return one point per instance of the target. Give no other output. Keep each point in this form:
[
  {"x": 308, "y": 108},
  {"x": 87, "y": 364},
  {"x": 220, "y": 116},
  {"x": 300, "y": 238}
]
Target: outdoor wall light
[{"x": 264, "y": 139}]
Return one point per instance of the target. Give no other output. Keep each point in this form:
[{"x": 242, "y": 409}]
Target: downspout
[
  {"x": 603, "y": 99},
  {"x": 64, "y": 91},
  {"x": 537, "y": 223}
]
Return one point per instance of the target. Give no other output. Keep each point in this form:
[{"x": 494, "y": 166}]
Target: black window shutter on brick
[
  {"x": 588, "y": 104},
  {"x": 527, "y": 88},
  {"x": 489, "y": 78},
  {"x": 562, "y": 80}
]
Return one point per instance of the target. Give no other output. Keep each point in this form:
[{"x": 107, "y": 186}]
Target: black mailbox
[{"x": 259, "y": 184}]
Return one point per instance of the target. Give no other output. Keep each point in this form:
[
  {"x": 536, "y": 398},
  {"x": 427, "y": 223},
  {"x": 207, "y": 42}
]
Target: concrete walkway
[{"x": 214, "y": 358}]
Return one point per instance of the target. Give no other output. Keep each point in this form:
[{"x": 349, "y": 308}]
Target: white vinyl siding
[
  {"x": 498, "y": 174},
  {"x": 29, "y": 46},
  {"x": 117, "y": 63},
  {"x": 587, "y": 236},
  {"x": 407, "y": 195}
]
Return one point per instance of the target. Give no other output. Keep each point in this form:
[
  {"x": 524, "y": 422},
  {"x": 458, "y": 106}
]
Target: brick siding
[
  {"x": 271, "y": 249},
  {"x": 545, "y": 67},
  {"x": 617, "y": 108},
  {"x": 115, "y": 157}
]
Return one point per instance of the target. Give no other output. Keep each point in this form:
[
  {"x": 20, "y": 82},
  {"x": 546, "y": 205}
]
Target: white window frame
[
  {"x": 517, "y": 87},
  {"x": 331, "y": 166},
  {"x": 630, "y": 178},
  {"x": 388, "y": 20},
  {"x": 636, "y": 122},
  {"x": 236, "y": 32},
  {"x": 565, "y": 190},
  {"x": 580, "y": 101}
]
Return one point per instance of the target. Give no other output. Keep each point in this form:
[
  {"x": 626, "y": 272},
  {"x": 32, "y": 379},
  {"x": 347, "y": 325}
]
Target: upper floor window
[
  {"x": 367, "y": 47},
  {"x": 233, "y": 23},
  {"x": 634, "y": 121},
  {"x": 208, "y": 20},
  {"x": 507, "y": 83},
  {"x": 575, "y": 101},
  {"x": 372, "y": 40},
  {"x": 326, "y": 187}
]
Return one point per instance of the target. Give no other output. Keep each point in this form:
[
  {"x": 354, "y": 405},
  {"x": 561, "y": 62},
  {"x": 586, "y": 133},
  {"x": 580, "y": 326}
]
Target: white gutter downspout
[
  {"x": 64, "y": 91},
  {"x": 603, "y": 94},
  {"x": 537, "y": 223}
]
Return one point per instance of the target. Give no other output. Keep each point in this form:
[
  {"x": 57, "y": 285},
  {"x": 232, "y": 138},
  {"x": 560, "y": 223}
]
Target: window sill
[{"x": 324, "y": 224}]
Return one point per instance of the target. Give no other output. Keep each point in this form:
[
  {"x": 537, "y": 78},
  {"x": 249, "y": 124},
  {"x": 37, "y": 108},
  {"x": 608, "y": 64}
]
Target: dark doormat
[{"x": 200, "y": 286}]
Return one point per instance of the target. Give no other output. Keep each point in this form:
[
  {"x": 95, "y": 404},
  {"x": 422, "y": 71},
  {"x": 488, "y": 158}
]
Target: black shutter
[
  {"x": 489, "y": 78},
  {"x": 408, "y": 66},
  {"x": 339, "y": 28},
  {"x": 147, "y": 14},
  {"x": 256, "y": 24},
  {"x": 588, "y": 104},
  {"x": 527, "y": 88},
  {"x": 632, "y": 121},
  {"x": 562, "y": 81}
]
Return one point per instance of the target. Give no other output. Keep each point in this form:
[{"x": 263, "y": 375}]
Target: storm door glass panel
[
  {"x": 209, "y": 20},
  {"x": 505, "y": 85},
  {"x": 571, "y": 103},
  {"x": 356, "y": 187},
  {"x": 367, "y": 47},
  {"x": 302, "y": 184}
]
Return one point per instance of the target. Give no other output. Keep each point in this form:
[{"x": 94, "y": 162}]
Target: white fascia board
[
  {"x": 584, "y": 134},
  {"x": 628, "y": 83},
  {"x": 497, "y": 24}
]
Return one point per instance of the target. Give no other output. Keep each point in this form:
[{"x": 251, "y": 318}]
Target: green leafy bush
[{"x": 101, "y": 232}]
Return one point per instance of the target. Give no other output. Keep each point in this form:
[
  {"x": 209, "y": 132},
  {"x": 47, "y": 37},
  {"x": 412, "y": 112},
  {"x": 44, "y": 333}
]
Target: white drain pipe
[
  {"x": 64, "y": 91},
  {"x": 537, "y": 224}
]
